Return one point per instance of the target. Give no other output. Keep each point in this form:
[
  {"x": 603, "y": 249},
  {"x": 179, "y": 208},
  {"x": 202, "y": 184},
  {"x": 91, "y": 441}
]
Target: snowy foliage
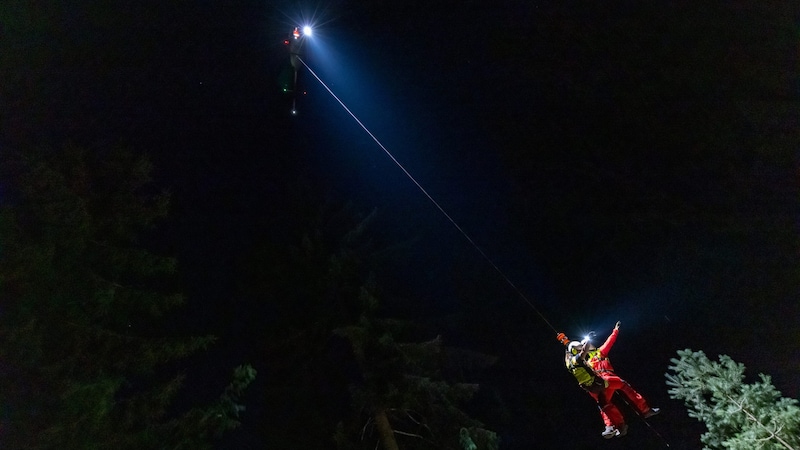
[{"x": 738, "y": 415}]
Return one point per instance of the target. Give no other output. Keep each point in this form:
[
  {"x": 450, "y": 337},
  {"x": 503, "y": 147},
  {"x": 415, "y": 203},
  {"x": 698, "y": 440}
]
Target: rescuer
[{"x": 595, "y": 374}]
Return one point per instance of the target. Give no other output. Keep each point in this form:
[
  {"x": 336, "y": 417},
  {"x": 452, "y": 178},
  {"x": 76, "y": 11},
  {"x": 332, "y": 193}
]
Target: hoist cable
[
  {"x": 430, "y": 197},
  {"x": 452, "y": 221}
]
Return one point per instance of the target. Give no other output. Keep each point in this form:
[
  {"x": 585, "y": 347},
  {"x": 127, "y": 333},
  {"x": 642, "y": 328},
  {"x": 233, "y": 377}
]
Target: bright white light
[{"x": 307, "y": 30}]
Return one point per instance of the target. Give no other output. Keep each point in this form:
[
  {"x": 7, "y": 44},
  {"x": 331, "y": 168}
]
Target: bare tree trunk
[{"x": 388, "y": 442}]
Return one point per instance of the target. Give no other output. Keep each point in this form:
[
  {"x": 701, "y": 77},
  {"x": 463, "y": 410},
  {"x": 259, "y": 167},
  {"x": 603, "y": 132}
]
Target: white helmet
[{"x": 574, "y": 347}]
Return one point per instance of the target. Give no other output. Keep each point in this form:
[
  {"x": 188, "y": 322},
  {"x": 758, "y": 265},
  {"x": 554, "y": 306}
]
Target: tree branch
[{"x": 755, "y": 419}]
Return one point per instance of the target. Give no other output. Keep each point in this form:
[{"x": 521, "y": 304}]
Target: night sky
[{"x": 614, "y": 160}]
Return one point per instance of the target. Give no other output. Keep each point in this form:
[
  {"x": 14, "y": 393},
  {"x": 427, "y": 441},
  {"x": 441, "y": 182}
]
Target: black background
[{"x": 614, "y": 160}]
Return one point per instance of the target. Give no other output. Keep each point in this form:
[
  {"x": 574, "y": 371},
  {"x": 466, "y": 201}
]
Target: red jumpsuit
[{"x": 599, "y": 362}]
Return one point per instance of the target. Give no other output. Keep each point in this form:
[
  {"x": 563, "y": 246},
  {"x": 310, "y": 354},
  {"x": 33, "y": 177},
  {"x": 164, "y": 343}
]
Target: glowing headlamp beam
[{"x": 435, "y": 203}]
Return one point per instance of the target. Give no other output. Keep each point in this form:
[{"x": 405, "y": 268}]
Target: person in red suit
[
  {"x": 594, "y": 385},
  {"x": 597, "y": 360}
]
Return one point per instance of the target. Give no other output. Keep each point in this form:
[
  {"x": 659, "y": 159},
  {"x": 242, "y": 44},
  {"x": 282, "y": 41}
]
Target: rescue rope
[
  {"x": 560, "y": 336},
  {"x": 430, "y": 197}
]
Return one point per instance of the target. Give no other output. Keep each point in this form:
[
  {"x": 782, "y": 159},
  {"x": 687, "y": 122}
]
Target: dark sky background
[{"x": 616, "y": 161}]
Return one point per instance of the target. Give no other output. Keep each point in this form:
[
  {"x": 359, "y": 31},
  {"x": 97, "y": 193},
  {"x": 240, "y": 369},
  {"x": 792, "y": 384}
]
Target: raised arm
[{"x": 606, "y": 347}]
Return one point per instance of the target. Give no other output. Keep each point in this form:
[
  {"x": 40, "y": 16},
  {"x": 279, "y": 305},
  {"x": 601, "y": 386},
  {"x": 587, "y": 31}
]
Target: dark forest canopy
[{"x": 86, "y": 341}]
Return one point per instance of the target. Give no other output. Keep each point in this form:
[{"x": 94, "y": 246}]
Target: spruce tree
[
  {"x": 403, "y": 394},
  {"x": 306, "y": 289},
  {"x": 738, "y": 415},
  {"x": 86, "y": 306},
  {"x": 335, "y": 365}
]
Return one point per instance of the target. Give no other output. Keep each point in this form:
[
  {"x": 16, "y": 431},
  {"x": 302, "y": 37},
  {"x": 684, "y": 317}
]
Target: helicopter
[{"x": 288, "y": 80}]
